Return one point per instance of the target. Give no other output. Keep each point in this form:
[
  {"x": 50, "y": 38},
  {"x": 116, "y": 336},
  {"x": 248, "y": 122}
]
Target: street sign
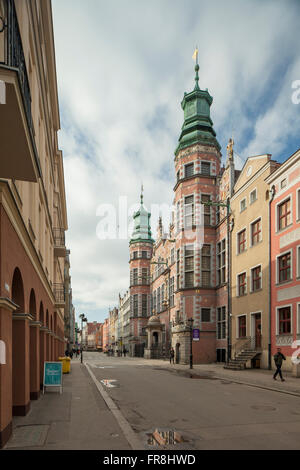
[
  {"x": 52, "y": 375},
  {"x": 196, "y": 334}
]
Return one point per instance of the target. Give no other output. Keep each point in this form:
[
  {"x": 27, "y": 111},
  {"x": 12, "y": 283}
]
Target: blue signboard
[
  {"x": 52, "y": 375},
  {"x": 196, "y": 334}
]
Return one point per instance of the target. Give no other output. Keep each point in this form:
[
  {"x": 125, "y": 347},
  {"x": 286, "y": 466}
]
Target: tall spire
[
  {"x": 197, "y": 126},
  {"x": 142, "y": 196},
  {"x": 197, "y": 76}
]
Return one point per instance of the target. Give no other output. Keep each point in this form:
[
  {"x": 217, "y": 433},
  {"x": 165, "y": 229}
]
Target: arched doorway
[
  {"x": 34, "y": 349},
  {"x": 20, "y": 349}
]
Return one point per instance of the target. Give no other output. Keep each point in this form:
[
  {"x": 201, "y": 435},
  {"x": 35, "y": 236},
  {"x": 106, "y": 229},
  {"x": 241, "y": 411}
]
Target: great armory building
[{"x": 173, "y": 281}]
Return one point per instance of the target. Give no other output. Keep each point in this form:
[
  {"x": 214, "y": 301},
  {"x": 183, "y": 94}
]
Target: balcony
[
  {"x": 59, "y": 243},
  {"x": 20, "y": 160},
  {"x": 59, "y": 294}
]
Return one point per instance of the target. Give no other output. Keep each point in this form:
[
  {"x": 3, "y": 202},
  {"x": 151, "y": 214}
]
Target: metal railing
[
  {"x": 15, "y": 55},
  {"x": 59, "y": 293},
  {"x": 59, "y": 237}
]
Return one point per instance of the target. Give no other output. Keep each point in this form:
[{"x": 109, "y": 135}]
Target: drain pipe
[{"x": 272, "y": 194}]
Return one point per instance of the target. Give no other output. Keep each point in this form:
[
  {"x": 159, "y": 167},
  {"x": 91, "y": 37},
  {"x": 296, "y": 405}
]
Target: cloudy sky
[{"x": 122, "y": 69}]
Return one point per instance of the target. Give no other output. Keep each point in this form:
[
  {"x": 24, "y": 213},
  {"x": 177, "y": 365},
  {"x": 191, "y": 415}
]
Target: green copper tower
[
  {"x": 197, "y": 126},
  {"x": 142, "y": 228}
]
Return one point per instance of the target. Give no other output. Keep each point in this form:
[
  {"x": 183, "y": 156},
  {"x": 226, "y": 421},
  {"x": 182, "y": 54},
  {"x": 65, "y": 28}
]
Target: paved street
[
  {"x": 214, "y": 414},
  {"x": 111, "y": 403}
]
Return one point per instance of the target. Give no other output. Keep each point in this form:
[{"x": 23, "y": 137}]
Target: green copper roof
[
  {"x": 142, "y": 229},
  {"x": 197, "y": 126}
]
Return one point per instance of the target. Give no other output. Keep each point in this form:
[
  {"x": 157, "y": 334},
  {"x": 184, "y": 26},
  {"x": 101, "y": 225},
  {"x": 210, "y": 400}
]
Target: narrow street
[{"x": 207, "y": 413}]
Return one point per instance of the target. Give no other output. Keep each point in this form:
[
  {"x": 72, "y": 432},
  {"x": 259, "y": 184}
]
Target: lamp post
[
  {"x": 83, "y": 319},
  {"x": 191, "y": 321}
]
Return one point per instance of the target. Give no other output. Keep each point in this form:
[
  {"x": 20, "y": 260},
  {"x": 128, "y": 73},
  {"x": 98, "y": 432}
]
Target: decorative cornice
[
  {"x": 22, "y": 316},
  {"x": 35, "y": 323},
  {"x": 8, "y": 304}
]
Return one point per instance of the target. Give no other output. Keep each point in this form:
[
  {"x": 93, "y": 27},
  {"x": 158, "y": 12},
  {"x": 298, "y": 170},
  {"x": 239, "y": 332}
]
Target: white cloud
[{"x": 122, "y": 69}]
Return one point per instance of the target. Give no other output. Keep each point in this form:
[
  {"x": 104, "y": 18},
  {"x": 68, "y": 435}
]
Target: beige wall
[{"x": 252, "y": 178}]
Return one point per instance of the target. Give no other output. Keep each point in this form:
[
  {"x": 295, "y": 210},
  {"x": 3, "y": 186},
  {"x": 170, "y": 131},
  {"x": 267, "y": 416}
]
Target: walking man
[
  {"x": 172, "y": 354},
  {"x": 278, "y": 358}
]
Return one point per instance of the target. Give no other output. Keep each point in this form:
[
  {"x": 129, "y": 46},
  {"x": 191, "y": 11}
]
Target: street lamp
[
  {"x": 83, "y": 319},
  {"x": 191, "y": 321}
]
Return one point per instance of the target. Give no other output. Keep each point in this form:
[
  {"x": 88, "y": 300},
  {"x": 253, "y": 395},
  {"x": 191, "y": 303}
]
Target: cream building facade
[{"x": 33, "y": 215}]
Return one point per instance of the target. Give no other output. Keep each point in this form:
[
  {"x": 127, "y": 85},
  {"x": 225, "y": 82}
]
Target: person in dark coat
[
  {"x": 278, "y": 358},
  {"x": 66, "y": 353},
  {"x": 124, "y": 351},
  {"x": 172, "y": 355}
]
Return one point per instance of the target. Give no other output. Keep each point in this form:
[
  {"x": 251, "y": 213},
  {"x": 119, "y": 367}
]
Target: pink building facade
[{"x": 285, "y": 258}]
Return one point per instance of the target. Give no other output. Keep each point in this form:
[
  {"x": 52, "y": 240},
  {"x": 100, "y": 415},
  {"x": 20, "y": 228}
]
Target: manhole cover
[
  {"x": 28, "y": 436},
  {"x": 263, "y": 407}
]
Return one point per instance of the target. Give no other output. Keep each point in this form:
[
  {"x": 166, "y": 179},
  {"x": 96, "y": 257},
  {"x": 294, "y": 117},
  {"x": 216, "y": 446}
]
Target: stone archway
[{"x": 20, "y": 349}]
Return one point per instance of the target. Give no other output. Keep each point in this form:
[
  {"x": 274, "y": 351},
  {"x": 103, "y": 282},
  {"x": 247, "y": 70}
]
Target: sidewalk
[
  {"x": 77, "y": 419},
  {"x": 255, "y": 377}
]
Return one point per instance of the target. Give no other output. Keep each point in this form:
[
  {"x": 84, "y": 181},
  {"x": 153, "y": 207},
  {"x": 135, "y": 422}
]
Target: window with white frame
[
  {"x": 135, "y": 304},
  {"x": 242, "y": 326},
  {"x": 221, "y": 322},
  {"x": 178, "y": 269},
  {"x": 284, "y": 267},
  {"x": 242, "y": 284},
  {"x": 256, "y": 278},
  {"x": 144, "y": 305},
  {"x": 172, "y": 255},
  {"x": 158, "y": 301},
  {"x": 298, "y": 320},
  {"x": 188, "y": 170},
  {"x": 172, "y": 291},
  {"x": 135, "y": 276},
  {"x": 206, "y": 266},
  {"x": 243, "y": 205},
  {"x": 241, "y": 241},
  {"x": 205, "y": 168},
  {"x": 206, "y": 211},
  {"x": 178, "y": 216},
  {"x": 284, "y": 214},
  {"x": 188, "y": 211},
  {"x": 253, "y": 196},
  {"x": 189, "y": 266},
  {"x": 221, "y": 261},
  {"x": 298, "y": 204},
  {"x": 255, "y": 232},
  {"x": 298, "y": 261},
  {"x": 284, "y": 320}
]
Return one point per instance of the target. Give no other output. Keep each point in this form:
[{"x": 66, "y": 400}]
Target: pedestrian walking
[
  {"x": 278, "y": 358},
  {"x": 124, "y": 351},
  {"x": 172, "y": 355},
  {"x": 71, "y": 354},
  {"x": 66, "y": 353}
]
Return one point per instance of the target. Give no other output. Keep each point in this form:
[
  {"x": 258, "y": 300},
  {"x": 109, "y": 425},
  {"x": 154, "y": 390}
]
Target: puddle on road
[
  {"x": 263, "y": 407},
  {"x": 109, "y": 383},
  {"x": 164, "y": 438}
]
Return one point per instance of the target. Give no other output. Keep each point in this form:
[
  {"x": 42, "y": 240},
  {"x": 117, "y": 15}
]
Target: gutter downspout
[{"x": 272, "y": 193}]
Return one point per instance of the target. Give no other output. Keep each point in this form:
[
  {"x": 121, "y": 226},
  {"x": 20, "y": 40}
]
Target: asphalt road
[{"x": 204, "y": 413}]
